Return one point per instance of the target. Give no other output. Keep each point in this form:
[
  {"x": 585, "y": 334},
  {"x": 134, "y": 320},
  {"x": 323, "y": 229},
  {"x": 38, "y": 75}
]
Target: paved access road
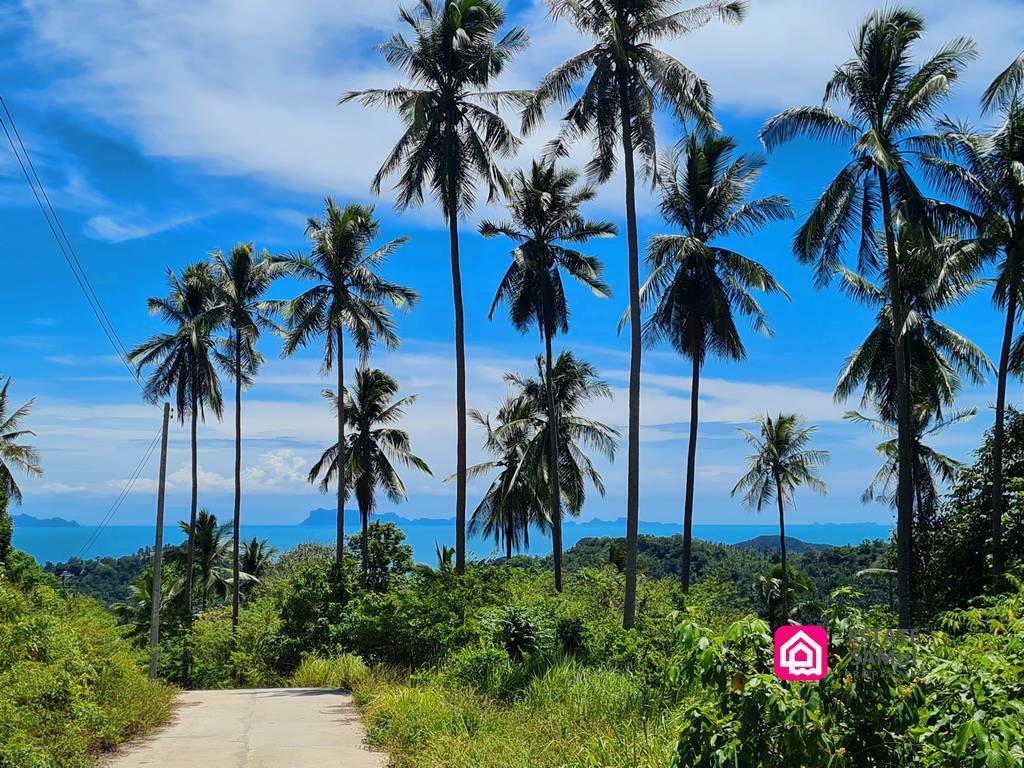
[{"x": 258, "y": 728}]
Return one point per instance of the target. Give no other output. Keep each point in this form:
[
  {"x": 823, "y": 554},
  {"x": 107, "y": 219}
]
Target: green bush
[
  {"x": 343, "y": 670},
  {"x": 70, "y": 684}
]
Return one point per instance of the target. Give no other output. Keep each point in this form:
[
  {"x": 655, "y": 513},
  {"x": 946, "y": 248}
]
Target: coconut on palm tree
[
  {"x": 514, "y": 501},
  {"x": 242, "y": 279},
  {"x": 697, "y": 286},
  {"x": 453, "y": 139},
  {"x": 613, "y": 90},
  {"x": 373, "y": 446},
  {"x": 575, "y": 385},
  {"x": 349, "y": 296},
  {"x": 546, "y": 225},
  {"x": 982, "y": 171},
  {"x": 886, "y": 97},
  {"x": 781, "y": 463},
  {"x": 183, "y": 364}
]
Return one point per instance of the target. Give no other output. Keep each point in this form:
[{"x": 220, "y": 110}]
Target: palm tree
[
  {"x": 627, "y": 78},
  {"x": 349, "y": 295},
  {"x": 453, "y": 139},
  {"x": 256, "y": 559},
  {"x": 372, "y": 448},
  {"x": 936, "y": 274},
  {"x": 212, "y": 547},
  {"x": 514, "y": 500},
  {"x": 697, "y": 286},
  {"x": 184, "y": 364},
  {"x": 15, "y": 455},
  {"x": 546, "y": 223},
  {"x": 137, "y": 609},
  {"x": 983, "y": 172},
  {"x": 242, "y": 279},
  {"x": 781, "y": 588},
  {"x": 574, "y": 384},
  {"x": 780, "y": 464},
  {"x": 931, "y": 468},
  {"x": 887, "y": 98}
]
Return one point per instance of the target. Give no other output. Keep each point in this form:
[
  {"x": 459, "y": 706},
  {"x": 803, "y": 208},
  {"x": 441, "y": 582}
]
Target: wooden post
[{"x": 158, "y": 552}]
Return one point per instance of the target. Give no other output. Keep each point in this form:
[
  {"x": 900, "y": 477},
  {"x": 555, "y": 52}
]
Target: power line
[
  {"x": 60, "y": 236},
  {"x": 120, "y": 497}
]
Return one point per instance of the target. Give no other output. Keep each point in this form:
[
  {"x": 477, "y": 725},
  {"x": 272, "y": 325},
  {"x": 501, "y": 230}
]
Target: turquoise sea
[{"x": 60, "y": 544}]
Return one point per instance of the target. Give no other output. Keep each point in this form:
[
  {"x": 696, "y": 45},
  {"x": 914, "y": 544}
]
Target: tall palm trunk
[
  {"x": 190, "y": 547},
  {"x": 236, "y": 535},
  {"x": 633, "y": 439},
  {"x": 508, "y": 542},
  {"x": 339, "y": 554},
  {"x": 556, "y": 492},
  {"x": 364, "y": 521},
  {"x": 460, "y": 363},
  {"x": 782, "y": 552},
  {"x": 998, "y": 437},
  {"x": 691, "y": 463},
  {"x": 904, "y": 433}
]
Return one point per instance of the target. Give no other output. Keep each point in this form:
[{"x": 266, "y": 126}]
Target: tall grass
[{"x": 343, "y": 670}]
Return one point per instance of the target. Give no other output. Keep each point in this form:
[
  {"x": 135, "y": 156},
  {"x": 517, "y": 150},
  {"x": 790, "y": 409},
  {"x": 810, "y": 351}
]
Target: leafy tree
[
  {"x": 349, "y": 295},
  {"x": 514, "y": 499},
  {"x": 546, "y": 224},
  {"x": 372, "y": 448},
  {"x": 982, "y": 171},
  {"x": 769, "y": 588},
  {"x": 697, "y": 286},
  {"x": 887, "y": 97},
  {"x": 242, "y": 280},
  {"x": 780, "y": 464},
  {"x": 211, "y": 558},
  {"x": 623, "y": 80},
  {"x": 453, "y": 140},
  {"x": 184, "y": 365},
  {"x": 137, "y": 609},
  {"x": 387, "y": 556},
  {"x": 257, "y": 558}
]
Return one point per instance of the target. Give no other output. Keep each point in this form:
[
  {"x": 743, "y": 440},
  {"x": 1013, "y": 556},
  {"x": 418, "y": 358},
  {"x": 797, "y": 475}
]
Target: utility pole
[{"x": 158, "y": 552}]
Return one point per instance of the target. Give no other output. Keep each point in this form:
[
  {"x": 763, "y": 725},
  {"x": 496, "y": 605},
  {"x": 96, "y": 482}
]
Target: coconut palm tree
[
  {"x": 242, "y": 279},
  {"x": 373, "y": 446},
  {"x": 136, "y": 610},
  {"x": 546, "y": 224},
  {"x": 982, "y": 171},
  {"x": 15, "y": 455},
  {"x": 697, "y": 286},
  {"x": 887, "y": 97},
  {"x": 613, "y": 90},
  {"x": 575, "y": 385},
  {"x": 257, "y": 557},
  {"x": 211, "y": 563},
  {"x": 349, "y": 296},
  {"x": 515, "y": 498},
  {"x": 936, "y": 274},
  {"x": 785, "y": 589},
  {"x": 184, "y": 366},
  {"x": 454, "y": 137},
  {"x": 931, "y": 468},
  {"x": 780, "y": 464}
]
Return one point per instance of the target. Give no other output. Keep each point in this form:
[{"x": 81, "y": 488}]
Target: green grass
[{"x": 344, "y": 670}]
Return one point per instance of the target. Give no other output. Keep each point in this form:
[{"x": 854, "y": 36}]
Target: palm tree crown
[
  {"x": 781, "y": 461},
  {"x": 546, "y": 224},
  {"x": 697, "y": 285},
  {"x": 13, "y": 453},
  {"x": 625, "y": 77},
  {"x": 454, "y": 134}
]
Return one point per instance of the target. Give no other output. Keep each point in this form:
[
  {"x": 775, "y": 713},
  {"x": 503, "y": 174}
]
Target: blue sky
[{"x": 165, "y": 130}]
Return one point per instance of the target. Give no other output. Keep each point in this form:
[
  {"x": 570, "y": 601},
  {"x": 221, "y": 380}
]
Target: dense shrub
[
  {"x": 70, "y": 684},
  {"x": 342, "y": 670}
]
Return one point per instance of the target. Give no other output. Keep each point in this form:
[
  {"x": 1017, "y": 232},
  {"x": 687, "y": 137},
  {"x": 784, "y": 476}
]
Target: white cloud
[{"x": 112, "y": 230}]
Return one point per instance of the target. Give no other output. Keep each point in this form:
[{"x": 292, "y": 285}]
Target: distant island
[
  {"x": 27, "y": 521},
  {"x": 771, "y": 544}
]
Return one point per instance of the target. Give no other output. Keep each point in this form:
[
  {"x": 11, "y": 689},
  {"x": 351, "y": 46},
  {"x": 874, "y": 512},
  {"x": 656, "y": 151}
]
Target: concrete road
[{"x": 260, "y": 728}]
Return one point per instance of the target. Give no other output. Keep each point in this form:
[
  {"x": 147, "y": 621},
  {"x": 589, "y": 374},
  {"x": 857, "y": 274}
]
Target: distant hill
[
  {"x": 328, "y": 518},
  {"x": 771, "y": 544},
  {"x": 27, "y": 521}
]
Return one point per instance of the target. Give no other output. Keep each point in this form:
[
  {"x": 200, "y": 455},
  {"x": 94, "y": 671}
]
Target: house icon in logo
[{"x": 801, "y": 653}]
